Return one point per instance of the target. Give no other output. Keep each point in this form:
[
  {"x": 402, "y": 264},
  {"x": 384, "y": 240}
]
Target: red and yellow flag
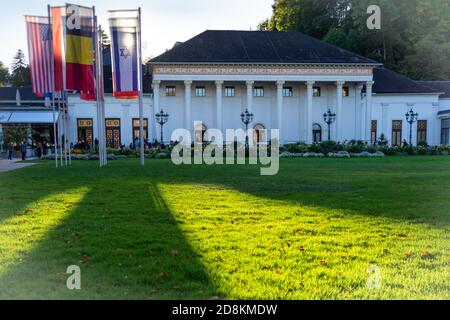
[{"x": 80, "y": 30}]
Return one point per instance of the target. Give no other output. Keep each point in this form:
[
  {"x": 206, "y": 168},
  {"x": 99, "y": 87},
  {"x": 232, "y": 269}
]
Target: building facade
[{"x": 286, "y": 79}]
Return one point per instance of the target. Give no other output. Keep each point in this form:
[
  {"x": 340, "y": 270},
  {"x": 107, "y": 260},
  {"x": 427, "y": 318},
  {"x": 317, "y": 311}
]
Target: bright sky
[{"x": 164, "y": 21}]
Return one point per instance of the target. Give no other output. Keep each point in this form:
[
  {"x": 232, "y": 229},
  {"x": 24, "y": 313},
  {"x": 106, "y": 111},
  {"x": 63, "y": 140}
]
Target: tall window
[
  {"x": 230, "y": 92},
  {"x": 317, "y": 133},
  {"x": 445, "y": 132},
  {"x": 397, "y": 132},
  {"x": 171, "y": 91},
  {"x": 85, "y": 131},
  {"x": 258, "y": 92},
  {"x": 422, "y": 127},
  {"x": 113, "y": 138},
  {"x": 345, "y": 91},
  {"x": 137, "y": 128},
  {"x": 287, "y": 92},
  {"x": 373, "y": 132},
  {"x": 200, "y": 91},
  {"x": 317, "y": 92}
]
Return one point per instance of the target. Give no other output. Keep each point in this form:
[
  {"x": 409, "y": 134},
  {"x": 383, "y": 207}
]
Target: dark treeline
[{"x": 414, "y": 38}]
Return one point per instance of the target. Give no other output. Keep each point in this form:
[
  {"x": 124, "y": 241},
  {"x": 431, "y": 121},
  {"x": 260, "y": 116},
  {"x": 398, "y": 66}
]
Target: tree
[
  {"x": 16, "y": 134},
  {"x": 105, "y": 40},
  {"x": 4, "y": 75},
  {"x": 413, "y": 33},
  {"x": 20, "y": 71}
]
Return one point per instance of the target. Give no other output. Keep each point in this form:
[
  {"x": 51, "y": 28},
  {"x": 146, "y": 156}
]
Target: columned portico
[
  {"x": 309, "y": 111},
  {"x": 249, "y": 95},
  {"x": 339, "y": 116},
  {"x": 219, "y": 108},
  {"x": 280, "y": 85},
  {"x": 188, "y": 104}
]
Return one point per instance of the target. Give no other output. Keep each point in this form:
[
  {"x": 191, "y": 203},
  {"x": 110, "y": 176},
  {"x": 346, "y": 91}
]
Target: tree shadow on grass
[
  {"x": 414, "y": 190},
  {"x": 122, "y": 235},
  {"x": 127, "y": 241}
]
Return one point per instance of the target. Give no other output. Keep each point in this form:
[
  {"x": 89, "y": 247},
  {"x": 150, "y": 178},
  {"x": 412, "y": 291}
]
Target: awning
[
  {"x": 22, "y": 117},
  {"x": 444, "y": 113}
]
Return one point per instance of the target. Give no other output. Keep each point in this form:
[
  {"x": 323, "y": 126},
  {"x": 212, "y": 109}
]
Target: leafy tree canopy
[
  {"x": 4, "y": 75},
  {"x": 414, "y": 33},
  {"x": 20, "y": 71}
]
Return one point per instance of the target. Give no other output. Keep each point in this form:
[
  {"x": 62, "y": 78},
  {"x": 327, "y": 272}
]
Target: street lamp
[
  {"x": 411, "y": 118},
  {"x": 329, "y": 118},
  {"x": 247, "y": 118},
  {"x": 162, "y": 118}
]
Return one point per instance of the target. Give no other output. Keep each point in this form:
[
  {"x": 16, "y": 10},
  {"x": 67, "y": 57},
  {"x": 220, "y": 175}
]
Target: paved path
[{"x": 7, "y": 165}]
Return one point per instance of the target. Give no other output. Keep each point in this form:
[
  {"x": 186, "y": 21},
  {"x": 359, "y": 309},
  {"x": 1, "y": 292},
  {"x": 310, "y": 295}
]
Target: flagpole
[
  {"x": 64, "y": 131},
  {"x": 60, "y": 132},
  {"x": 99, "y": 116},
  {"x": 102, "y": 95},
  {"x": 66, "y": 101},
  {"x": 52, "y": 79},
  {"x": 141, "y": 91}
]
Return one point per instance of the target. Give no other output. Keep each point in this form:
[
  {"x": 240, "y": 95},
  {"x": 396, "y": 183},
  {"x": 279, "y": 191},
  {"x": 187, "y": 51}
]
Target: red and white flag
[
  {"x": 39, "y": 51},
  {"x": 58, "y": 19}
]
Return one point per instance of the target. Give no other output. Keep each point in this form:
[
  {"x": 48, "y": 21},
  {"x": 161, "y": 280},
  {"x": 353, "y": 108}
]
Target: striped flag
[
  {"x": 58, "y": 20},
  {"x": 39, "y": 51},
  {"x": 80, "y": 49},
  {"x": 124, "y": 51}
]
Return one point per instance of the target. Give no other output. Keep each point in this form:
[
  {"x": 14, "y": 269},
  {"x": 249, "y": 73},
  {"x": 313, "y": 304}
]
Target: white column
[
  {"x": 384, "y": 121},
  {"x": 219, "y": 107},
  {"x": 339, "y": 116},
  {"x": 433, "y": 134},
  {"x": 250, "y": 95},
  {"x": 187, "y": 105},
  {"x": 369, "y": 85},
  {"x": 309, "y": 112},
  {"x": 280, "y": 85},
  {"x": 156, "y": 109},
  {"x": 358, "y": 111}
]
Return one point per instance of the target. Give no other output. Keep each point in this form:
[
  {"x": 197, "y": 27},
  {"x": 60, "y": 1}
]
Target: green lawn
[{"x": 198, "y": 232}]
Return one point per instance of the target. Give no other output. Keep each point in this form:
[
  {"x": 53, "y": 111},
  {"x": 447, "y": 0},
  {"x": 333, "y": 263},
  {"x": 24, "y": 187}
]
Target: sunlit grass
[
  {"x": 167, "y": 232},
  {"x": 266, "y": 249},
  {"x": 22, "y": 232}
]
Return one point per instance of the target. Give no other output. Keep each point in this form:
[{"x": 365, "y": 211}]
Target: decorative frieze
[{"x": 262, "y": 70}]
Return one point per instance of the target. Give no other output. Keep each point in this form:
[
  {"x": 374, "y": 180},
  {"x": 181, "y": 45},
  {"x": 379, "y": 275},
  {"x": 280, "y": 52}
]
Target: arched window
[
  {"x": 317, "y": 133},
  {"x": 259, "y": 134},
  {"x": 200, "y": 133}
]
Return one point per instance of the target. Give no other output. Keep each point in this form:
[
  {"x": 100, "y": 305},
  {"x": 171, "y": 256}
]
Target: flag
[
  {"x": 124, "y": 52},
  {"x": 39, "y": 51},
  {"x": 58, "y": 20},
  {"x": 80, "y": 49}
]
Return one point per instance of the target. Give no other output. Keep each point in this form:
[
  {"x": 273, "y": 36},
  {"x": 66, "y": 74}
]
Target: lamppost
[
  {"x": 411, "y": 118},
  {"x": 162, "y": 118},
  {"x": 247, "y": 118},
  {"x": 329, "y": 118}
]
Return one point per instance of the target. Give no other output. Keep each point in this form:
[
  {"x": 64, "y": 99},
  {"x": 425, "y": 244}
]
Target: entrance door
[
  {"x": 113, "y": 139},
  {"x": 86, "y": 131}
]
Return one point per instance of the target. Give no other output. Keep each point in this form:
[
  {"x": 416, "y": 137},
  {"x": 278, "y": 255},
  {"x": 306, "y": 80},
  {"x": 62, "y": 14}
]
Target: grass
[{"x": 198, "y": 232}]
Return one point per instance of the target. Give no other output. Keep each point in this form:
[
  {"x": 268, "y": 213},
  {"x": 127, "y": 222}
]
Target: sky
[{"x": 163, "y": 21}]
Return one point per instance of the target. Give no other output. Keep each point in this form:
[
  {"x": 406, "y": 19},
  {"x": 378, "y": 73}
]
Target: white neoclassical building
[{"x": 287, "y": 80}]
